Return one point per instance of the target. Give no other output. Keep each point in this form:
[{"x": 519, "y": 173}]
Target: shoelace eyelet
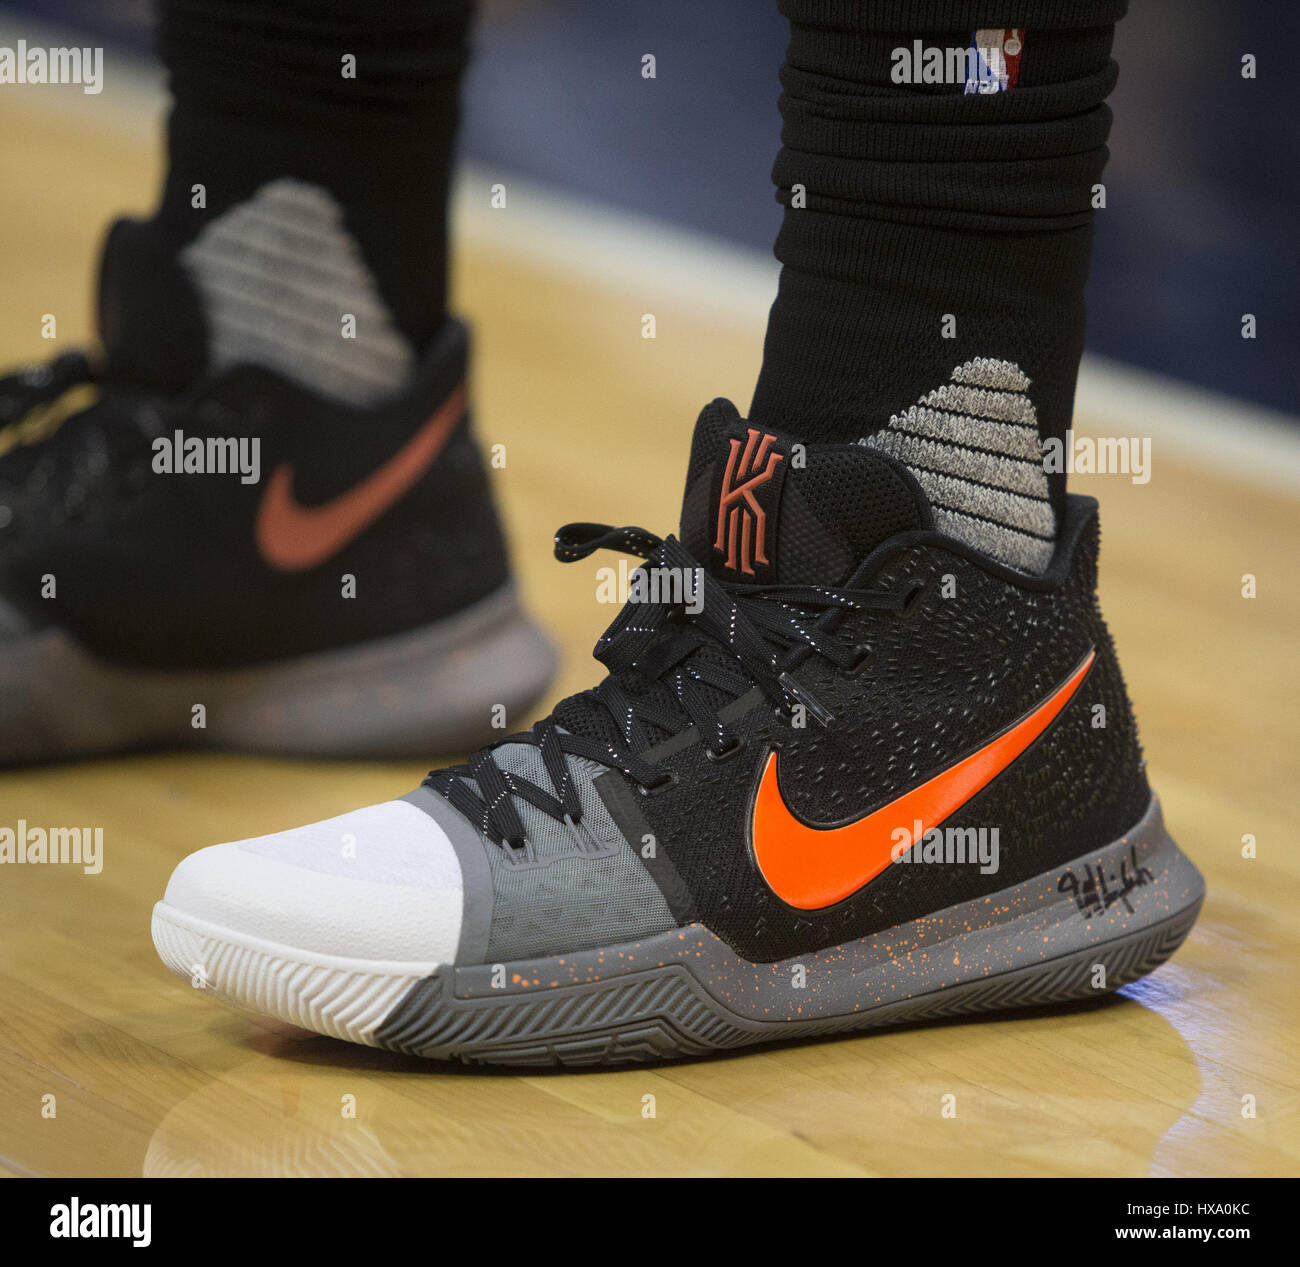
[
  {"x": 861, "y": 654},
  {"x": 725, "y": 753},
  {"x": 655, "y": 788},
  {"x": 516, "y": 852}
]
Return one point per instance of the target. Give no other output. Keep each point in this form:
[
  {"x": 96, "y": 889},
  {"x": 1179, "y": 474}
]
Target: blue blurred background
[{"x": 1202, "y": 184}]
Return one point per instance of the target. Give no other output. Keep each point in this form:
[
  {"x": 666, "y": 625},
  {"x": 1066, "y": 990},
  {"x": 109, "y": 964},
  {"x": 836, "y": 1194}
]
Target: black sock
[
  {"x": 931, "y": 209},
  {"x": 289, "y": 150}
]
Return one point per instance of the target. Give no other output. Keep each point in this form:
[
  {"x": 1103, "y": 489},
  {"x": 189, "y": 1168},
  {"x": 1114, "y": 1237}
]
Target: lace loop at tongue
[{"x": 576, "y": 541}]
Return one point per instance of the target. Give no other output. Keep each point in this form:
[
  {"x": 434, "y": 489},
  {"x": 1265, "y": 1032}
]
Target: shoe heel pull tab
[{"x": 799, "y": 695}]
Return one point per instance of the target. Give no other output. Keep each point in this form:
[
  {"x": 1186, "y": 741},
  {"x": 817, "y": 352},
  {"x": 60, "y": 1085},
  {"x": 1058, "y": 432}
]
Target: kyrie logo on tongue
[{"x": 747, "y": 493}]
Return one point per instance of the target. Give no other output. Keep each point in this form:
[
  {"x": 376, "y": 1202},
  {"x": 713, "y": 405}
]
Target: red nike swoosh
[
  {"x": 292, "y": 537},
  {"x": 814, "y": 867}
]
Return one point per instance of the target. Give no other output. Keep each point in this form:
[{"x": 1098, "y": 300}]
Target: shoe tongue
[
  {"x": 762, "y": 507},
  {"x": 150, "y": 317}
]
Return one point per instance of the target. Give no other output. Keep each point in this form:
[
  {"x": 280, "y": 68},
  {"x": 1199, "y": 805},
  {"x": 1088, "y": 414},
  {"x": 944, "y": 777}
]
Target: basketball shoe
[
  {"x": 229, "y": 559},
  {"x": 846, "y": 770}
]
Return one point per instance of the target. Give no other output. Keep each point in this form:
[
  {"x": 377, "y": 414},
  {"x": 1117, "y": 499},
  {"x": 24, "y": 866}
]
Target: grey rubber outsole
[
  {"x": 417, "y": 693},
  {"x": 685, "y": 993}
]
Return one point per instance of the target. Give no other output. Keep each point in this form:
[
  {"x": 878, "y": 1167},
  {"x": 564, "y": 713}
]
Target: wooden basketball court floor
[{"x": 1190, "y": 1072}]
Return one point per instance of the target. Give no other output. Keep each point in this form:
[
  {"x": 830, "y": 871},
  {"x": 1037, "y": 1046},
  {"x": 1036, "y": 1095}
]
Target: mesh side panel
[
  {"x": 954, "y": 672},
  {"x": 569, "y": 895}
]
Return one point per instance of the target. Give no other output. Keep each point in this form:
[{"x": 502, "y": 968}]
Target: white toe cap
[{"x": 378, "y": 884}]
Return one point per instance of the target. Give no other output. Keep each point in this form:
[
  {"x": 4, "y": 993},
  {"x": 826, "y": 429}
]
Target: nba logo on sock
[
  {"x": 747, "y": 494},
  {"x": 994, "y": 64}
]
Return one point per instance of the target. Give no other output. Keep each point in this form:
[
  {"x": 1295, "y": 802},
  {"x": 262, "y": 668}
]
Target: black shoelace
[
  {"x": 35, "y": 385},
  {"x": 55, "y": 459},
  {"x": 765, "y": 629}
]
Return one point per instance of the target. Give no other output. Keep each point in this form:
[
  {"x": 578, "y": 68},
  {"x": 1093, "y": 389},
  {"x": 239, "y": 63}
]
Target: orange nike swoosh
[
  {"x": 813, "y": 867},
  {"x": 292, "y": 537}
]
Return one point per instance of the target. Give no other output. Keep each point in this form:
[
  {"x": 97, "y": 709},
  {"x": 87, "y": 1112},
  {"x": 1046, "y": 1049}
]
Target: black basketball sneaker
[
  {"x": 225, "y": 558},
  {"x": 845, "y": 770}
]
